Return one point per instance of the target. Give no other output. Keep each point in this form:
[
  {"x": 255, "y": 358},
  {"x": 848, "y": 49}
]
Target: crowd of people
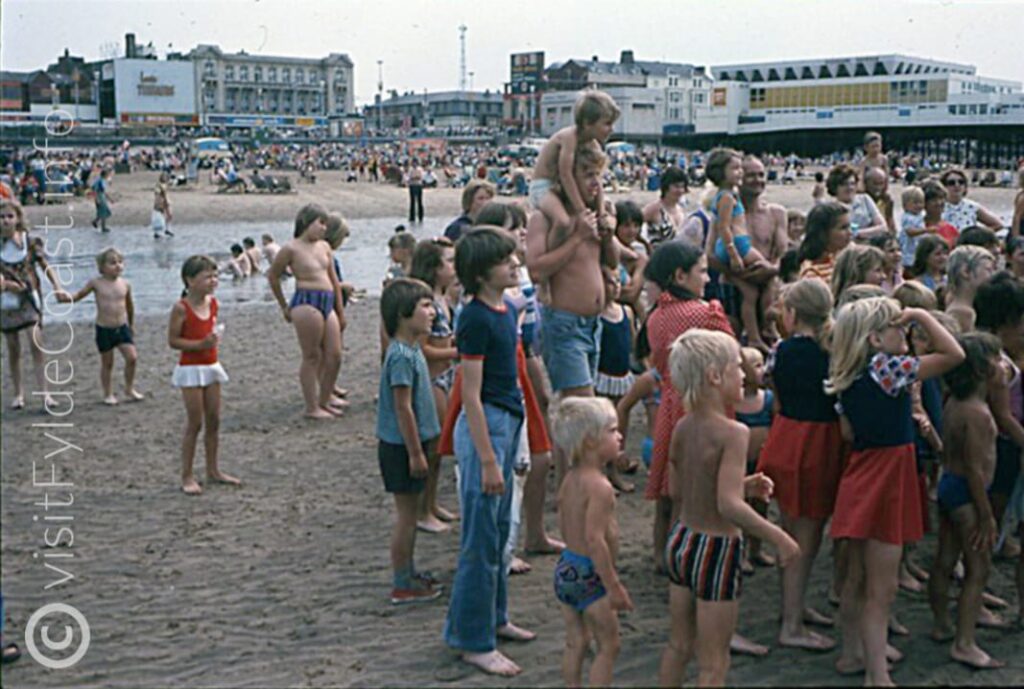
[{"x": 853, "y": 364}]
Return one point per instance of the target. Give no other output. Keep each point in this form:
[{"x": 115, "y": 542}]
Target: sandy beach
[{"x": 284, "y": 581}]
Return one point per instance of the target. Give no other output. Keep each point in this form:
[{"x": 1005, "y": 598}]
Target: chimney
[
  {"x": 627, "y": 57},
  {"x": 129, "y": 45}
]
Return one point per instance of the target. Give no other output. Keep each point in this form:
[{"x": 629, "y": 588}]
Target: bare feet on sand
[
  {"x": 445, "y": 515},
  {"x": 110, "y": 400},
  {"x": 908, "y": 582},
  {"x": 744, "y": 646},
  {"x": 897, "y": 627},
  {"x": 855, "y": 666},
  {"x": 519, "y": 566},
  {"x": 134, "y": 395},
  {"x": 549, "y": 546},
  {"x": 510, "y": 632},
  {"x": 320, "y": 414},
  {"x": 18, "y": 402},
  {"x": 987, "y": 618},
  {"x": 190, "y": 486},
  {"x": 493, "y": 663},
  {"x": 974, "y": 657},
  {"x": 221, "y": 477},
  {"x": 993, "y": 601},
  {"x": 818, "y": 619},
  {"x": 807, "y": 640},
  {"x": 432, "y": 525}
]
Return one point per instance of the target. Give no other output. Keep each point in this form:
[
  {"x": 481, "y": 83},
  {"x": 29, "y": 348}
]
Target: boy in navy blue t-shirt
[{"x": 486, "y": 440}]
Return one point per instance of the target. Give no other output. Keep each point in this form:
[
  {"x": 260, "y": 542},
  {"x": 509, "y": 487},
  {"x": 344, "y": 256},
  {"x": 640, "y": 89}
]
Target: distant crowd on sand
[{"x": 854, "y": 364}]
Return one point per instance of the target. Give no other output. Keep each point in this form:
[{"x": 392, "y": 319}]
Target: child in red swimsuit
[{"x": 194, "y": 331}]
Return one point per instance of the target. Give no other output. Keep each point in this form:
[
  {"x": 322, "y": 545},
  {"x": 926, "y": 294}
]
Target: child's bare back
[
  {"x": 698, "y": 445},
  {"x": 582, "y": 486}
]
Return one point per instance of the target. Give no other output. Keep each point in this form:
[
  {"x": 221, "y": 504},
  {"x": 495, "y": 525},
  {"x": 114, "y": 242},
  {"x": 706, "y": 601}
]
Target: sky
[{"x": 418, "y": 40}]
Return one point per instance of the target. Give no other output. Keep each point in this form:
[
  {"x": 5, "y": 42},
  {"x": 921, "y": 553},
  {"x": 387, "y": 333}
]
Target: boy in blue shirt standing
[
  {"x": 406, "y": 422},
  {"x": 486, "y": 439}
]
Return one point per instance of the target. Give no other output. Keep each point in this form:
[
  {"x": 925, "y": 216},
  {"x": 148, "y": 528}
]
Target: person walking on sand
[
  {"x": 315, "y": 309},
  {"x": 101, "y": 189}
]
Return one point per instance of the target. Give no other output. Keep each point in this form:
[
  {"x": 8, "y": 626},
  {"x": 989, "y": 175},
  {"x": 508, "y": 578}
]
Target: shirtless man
[
  {"x": 115, "y": 320},
  {"x": 315, "y": 310},
  {"x": 766, "y": 225},
  {"x": 565, "y": 263}
]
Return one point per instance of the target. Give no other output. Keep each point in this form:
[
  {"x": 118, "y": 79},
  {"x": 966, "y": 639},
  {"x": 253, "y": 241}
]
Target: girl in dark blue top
[
  {"x": 878, "y": 503},
  {"x": 804, "y": 451},
  {"x": 613, "y": 375}
]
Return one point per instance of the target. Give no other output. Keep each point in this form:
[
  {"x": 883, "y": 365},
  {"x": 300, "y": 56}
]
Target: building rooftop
[
  {"x": 205, "y": 49},
  {"x": 837, "y": 68},
  {"x": 443, "y": 96}
]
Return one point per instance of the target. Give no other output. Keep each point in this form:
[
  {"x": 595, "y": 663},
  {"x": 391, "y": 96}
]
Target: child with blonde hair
[
  {"x": 804, "y": 452},
  {"x": 877, "y": 507},
  {"x": 913, "y": 294},
  {"x": 857, "y": 264},
  {"x": 708, "y": 462},
  {"x": 115, "y": 321},
  {"x": 594, "y": 114},
  {"x": 968, "y": 267},
  {"x": 911, "y": 223},
  {"x": 586, "y": 583},
  {"x": 194, "y": 331}
]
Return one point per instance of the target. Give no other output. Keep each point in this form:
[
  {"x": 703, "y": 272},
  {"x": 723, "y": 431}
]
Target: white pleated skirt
[
  {"x": 198, "y": 376},
  {"x": 613, "y": 386}
]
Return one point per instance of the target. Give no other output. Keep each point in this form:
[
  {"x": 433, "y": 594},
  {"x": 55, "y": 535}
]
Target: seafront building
[
  {"x": 441, "y": 109},
  {"x": 243, "y": 90}
]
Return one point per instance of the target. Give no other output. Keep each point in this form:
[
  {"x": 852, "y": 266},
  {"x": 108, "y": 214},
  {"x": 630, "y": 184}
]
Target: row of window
[
  {"x": 300, "y": 77},
  {"x": 830, "y": 95}
]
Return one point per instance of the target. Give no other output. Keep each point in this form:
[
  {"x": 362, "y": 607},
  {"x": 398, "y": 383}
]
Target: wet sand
[{"x": 284, "y": 581}]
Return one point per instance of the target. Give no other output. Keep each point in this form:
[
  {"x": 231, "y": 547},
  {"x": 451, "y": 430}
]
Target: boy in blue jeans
[
  {"x": 486, "y": 439},
  {"x": 406, "y": 422}
]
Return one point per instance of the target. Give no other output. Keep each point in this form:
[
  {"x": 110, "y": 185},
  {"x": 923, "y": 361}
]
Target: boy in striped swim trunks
[{"x": 708, "y": 456}]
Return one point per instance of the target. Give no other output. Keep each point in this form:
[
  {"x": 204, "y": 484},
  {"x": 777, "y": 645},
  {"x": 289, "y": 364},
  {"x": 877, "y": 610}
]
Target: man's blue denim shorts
[{"x": 570, "y": 346}]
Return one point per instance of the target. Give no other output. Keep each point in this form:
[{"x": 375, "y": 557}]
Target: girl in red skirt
[
  {"x": 804, "y": 450},
  {"x": 878, "y": 506}
]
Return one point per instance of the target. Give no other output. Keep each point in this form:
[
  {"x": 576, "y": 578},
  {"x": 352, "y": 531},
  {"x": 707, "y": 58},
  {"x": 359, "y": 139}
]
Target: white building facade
[
  {"x": 238, "y": 89},
  {"x": 874, "y": 92}
]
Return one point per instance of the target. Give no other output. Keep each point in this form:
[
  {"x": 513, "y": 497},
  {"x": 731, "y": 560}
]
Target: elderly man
[{"x": 876, "y": 185}]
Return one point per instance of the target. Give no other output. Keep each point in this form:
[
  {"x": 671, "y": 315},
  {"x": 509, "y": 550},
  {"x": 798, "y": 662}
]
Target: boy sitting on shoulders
[
  {"x": 967, "y": 525},
  {"x": 115, "y": 317},
  {"x": 586, "y": 429},
  {"x": 595, "y": 113},
  {"x": 708, "y": 455}
]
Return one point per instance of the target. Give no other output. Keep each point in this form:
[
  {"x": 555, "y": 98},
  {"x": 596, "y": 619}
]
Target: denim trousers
[{"x": 479, "y": 600}]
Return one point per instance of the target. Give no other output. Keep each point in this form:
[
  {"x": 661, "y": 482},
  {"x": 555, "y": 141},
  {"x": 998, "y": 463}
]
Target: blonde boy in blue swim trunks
[
  {"x": 586, "y": 429},
  {"x": 708, "y": 460}
]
